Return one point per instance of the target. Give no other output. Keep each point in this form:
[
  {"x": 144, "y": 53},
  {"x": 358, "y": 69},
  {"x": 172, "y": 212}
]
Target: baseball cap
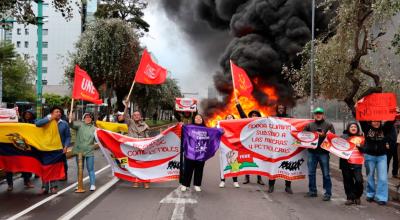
[{"x": 319, "y": 110}]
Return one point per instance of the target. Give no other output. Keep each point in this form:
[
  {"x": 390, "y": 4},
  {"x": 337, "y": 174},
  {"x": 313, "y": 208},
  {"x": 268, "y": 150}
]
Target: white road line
[
  {"x": 176, "y": 197},
  {"x": 266, "y": 196},
  {"x": 78, "y": 208},
  {"x": 34, "y": 206}
]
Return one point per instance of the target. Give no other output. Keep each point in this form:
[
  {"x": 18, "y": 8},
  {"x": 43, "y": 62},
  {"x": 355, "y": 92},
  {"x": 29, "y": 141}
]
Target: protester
[
  {"x": 235, "y": 179},
  {"x": 319, "y": 155},
  {"x": 252, "y": 114},
  {"x": 65, "y": 135},
  {"x": 392, "y": 151},
  {"x": 27, "y": 117},
  {"x": 120, "y": 117},
  {"x": 184, "y": 117},
  {"x": 85, "y": 144},
  {"x": 195, "y": 167},
  {"x": 352, "y": 173},
  {"x": 136, "y": 129},
  {"x": 377, "y": 142},
  {"x": 280, "y": 112}
]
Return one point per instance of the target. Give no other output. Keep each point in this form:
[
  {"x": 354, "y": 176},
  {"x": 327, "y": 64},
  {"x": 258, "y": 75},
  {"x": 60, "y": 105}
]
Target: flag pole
[
  {"x": 233, "y": 83},
  {"x": 70, "y": 112},
  {"x": 130, "y": 92}
]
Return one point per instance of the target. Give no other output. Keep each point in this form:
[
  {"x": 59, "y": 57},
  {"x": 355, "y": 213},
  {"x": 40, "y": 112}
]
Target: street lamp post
[
  {"x": 39, "y": 58},
  {"x": 312, "y": 63}
]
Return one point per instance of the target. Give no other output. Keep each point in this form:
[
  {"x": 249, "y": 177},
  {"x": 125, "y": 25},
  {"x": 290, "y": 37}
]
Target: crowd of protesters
[{"x": 381, "y": 146}]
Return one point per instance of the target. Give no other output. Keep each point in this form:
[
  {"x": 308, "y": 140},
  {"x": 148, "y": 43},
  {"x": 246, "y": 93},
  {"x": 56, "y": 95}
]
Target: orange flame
[{"x": 248, "y": 104}]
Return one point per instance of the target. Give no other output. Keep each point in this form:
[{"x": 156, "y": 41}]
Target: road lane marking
[
  {"x": 34, "y": 206},
  {"x": 78, "y": 208},
  {"x": 177, "y": 197},
  {"x": 266, "y": 196}
]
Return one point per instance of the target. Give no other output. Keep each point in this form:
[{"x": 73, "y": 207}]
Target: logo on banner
[
  {"x": 150, "y": 72},
  {"x": 87, "y": 86}
]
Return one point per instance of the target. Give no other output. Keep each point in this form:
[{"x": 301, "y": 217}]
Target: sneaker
[
  {"x": 53, "y": 190},
  {"x": 369, "y": 199},
  {"x": 222, "y": 184},
  {"x": 270, "y": 189},
  {"x": 326, "y": 198},
  {"x": 381, "y": 203},
  {"x": 260, "y": 182},
  {"x": 43, "y": 191},
  {"x": 197, "y": 188},
  {"x": 146, "y": 185},
  {"x": 246, "y": 181},
  {"x": 349, "y": 202},
  {"x": 135, "y": 185},
  {"x": 29, "y": 185},
  {"x": 289, "y": 190},
  {"x": 92, "y": 187},
  {"x": 10, "y": 188},
  {"x": 183, "y": 188},
  {"x": 311, "y": 195},
  {"x": 236, "y": 184}
]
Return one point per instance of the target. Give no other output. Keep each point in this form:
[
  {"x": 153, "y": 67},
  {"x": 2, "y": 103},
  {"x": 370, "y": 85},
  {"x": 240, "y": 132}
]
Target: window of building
[
  {"x": 26, "y": 56},
  {"x": 44, "y": 70},
  {"x": 26, "y": 44},
  {"x": 44, "y": 57},
  {"x": 45, "y": 44},
  {"x": 45, "y": 31},
  {"x": 26, "y": 31},
  {"x": 18, "y": 44},
  {"x": 19, "y": 31}
]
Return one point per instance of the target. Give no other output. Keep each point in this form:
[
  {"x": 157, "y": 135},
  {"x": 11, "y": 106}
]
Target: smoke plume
[{"x": 263, "y": 36}]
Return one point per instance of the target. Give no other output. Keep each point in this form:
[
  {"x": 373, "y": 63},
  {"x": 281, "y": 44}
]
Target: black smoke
[{"x": 264, "y": 35}]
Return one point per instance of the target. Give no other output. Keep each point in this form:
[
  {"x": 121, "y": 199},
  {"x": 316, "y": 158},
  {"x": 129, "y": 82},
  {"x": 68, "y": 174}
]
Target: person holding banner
[
  {"x": 199, "y": 143},
  {"x": 252, "y": 114},
  {"x": 281, "y": 113},
  {"x": 319, "y": 155},
  {"x": 85, "y": 144},
  {"x": 235, "y": 179},
  {"x": 377, "y": 142},
  {"x": 352, "y": 168},
  {"x": 65, "y": 135}
]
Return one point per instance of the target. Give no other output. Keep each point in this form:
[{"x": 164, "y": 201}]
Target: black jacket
[{"x": 376, "y": 139}]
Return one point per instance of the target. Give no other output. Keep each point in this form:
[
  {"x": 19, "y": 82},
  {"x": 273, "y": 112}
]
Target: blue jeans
[
  {"x": 89, "y": 167},
  {"x": 323, "y": 160},
  {"x": 378, "y": 164}
]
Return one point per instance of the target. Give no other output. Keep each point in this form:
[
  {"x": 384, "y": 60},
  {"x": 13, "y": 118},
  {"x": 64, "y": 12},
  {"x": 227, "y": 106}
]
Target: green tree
[
  {"x": 345, "y": 68},
  {"x": 18, "y": 77},
  {"x": 22, "y": 9},
  {"x": 109, "y": 50},
  {"x": 57, "y": 100},
  {"x": 127, "y": 10}
]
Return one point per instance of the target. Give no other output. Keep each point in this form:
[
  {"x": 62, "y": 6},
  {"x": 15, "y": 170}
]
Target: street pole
[
  {"x": 312, "y": 63},
  {"x": 4, "y": 23},
  {"x": 39, "y": 59}
]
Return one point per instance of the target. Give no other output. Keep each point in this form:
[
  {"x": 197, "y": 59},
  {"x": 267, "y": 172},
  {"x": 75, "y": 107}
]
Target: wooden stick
[
  {"x": 130, "y": 92},
  {"x": 70, "y": 112},
  {"x": 233, "y": 82}
]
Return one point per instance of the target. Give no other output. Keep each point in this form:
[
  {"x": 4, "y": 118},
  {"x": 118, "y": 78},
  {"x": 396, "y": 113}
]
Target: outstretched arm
[{"x": 240, "y": 110}]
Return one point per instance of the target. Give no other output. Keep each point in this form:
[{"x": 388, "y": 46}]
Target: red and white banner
[
  {"x": 185, "y": 105},
  {"x": 377, "y": 107},
  {"x": 142, "y": 160},
  {"x": 8, "y": 115},
  {"x": 357, "y": 157},
  {"x": 149, "y": 72},
  {"x": 305, "y": 139},
  {"x": 83, "y": 87},
  {"x": 263, "y": 146},
  {"x": 338, "y": 146}
]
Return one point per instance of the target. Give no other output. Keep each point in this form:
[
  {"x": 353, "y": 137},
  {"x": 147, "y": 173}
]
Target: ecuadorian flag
[
  {"x": 27, "y": 148},
  {"x": 114, "y": 127}
]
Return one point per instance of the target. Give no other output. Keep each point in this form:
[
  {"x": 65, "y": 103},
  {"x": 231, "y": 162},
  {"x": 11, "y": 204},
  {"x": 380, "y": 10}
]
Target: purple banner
[{"x": 200, "y": 143}]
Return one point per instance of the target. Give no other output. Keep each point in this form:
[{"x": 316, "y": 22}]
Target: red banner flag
[
  {"x": 150, "y": 72},
  {"x": 84, "y": 88},
  {"x": 241, "y": 82},
  {"x": 338, "y": 146},
  {"x": 377, "y": 107}
]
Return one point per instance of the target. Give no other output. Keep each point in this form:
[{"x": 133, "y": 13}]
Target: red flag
[
  {"x": 150, "y": 72},
  {"x": 84, "y": 88},
  {"x": 241, "y": 81}
]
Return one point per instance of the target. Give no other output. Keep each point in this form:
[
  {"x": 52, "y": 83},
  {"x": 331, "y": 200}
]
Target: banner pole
[
  {"x": 80, "y": 174},
  {"x": 70, "y": 112},
  {"x": 130, "y": 92},
  {"x": 233, "y": 83}
]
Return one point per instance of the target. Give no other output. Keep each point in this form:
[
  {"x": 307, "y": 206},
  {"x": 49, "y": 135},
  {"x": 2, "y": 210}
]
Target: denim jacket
[{"x": 63, "y": 129}]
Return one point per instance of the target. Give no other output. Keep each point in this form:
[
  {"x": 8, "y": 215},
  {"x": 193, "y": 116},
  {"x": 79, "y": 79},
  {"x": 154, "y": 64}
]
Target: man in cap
[{"x": 319, "y": 155}]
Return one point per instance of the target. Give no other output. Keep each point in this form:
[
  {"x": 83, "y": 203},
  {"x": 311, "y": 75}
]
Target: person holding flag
[{"x": 242, "y": 86}]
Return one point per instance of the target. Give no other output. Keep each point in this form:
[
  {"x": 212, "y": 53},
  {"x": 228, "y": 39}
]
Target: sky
[{"x": 169, "y": 47}]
